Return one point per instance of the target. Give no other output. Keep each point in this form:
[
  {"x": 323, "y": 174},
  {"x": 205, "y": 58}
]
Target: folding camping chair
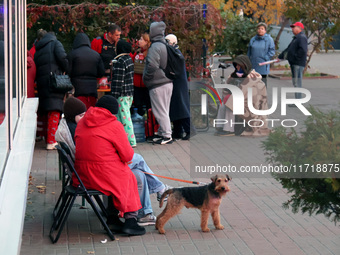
[{"x": 68, "y": 195}]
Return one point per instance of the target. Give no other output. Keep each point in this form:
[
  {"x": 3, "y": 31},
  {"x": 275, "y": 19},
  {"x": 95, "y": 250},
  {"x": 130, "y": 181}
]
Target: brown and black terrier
[{"x": 206, "y": 198}]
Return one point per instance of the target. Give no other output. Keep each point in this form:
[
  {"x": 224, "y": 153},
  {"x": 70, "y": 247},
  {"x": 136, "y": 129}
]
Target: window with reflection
[
  {"x": 14, "y": 110},
  {"x": 3, "y": 133}
]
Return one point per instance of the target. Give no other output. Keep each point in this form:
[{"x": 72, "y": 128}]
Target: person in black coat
[
  {"x": 50, "y": 57},
  {"x": 180, "y": 102},
  {"x": 85, "y": 66}
]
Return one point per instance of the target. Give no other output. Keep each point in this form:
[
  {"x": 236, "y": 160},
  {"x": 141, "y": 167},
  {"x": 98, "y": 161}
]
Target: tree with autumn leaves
[
  {"x": 222, "y": 26},
  {"x": 183, "y": 18}
]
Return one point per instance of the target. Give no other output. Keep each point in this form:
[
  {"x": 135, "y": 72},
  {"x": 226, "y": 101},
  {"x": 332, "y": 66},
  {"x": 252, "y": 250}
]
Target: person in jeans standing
[
  {"x": 160, "y": 87},
  {"x": 296, "y": 54}
]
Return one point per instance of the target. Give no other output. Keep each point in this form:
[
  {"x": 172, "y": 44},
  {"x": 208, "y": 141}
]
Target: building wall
[{"x": 17, "y": 124}]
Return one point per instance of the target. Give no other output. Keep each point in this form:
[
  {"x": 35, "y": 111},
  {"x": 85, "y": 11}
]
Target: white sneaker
[
  {"x": 160, "y": 193},
  {"x": 51, "y": 146},
  {"x": 147, "y": 220}
]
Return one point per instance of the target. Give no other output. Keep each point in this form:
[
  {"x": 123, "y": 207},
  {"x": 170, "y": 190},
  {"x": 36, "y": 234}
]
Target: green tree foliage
[
  {"x": 320, "y": 18},
  {"x": 237, "y": 34},
  {"x": 317, "y": 151}
]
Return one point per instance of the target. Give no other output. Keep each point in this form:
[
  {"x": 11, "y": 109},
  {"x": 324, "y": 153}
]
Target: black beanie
[
  {"x": 72, "y": 107},
  {"x": 123, "y": 47},
  {"x": 108, "y": 102}
]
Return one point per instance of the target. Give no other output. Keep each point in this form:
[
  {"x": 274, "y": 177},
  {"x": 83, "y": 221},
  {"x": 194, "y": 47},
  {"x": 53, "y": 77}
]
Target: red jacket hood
[{"x": 97, "y": 116}]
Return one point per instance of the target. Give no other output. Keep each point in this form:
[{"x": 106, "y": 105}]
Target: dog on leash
[{"x": 206, "y": 198}]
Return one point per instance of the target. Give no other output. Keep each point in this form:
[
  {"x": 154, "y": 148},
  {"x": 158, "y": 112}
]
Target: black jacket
[
  {"x": 50, "y": 57},
  {"x": 296, "y": 52},
  {"x": 85, "y": 66},
  {"x": 180, "y": 100}
]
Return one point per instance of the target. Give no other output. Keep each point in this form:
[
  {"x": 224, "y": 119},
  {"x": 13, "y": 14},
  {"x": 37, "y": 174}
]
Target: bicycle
[{"x": 202, "y": 86}]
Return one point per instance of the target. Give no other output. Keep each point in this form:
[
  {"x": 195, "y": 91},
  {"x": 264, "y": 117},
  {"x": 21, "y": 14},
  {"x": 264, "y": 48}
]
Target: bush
[
  {"x": 237, "y": 35},
  {"x": 318, "y": 145}
]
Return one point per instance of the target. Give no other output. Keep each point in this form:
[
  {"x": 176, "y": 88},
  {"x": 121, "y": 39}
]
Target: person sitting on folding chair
[
  {"x": 102, "y": 156},
  {"x": 74, "y": 110}
]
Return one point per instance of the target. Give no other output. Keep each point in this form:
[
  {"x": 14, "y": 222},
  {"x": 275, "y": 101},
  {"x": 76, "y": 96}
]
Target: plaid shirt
[{"x": 122, "y": 77}]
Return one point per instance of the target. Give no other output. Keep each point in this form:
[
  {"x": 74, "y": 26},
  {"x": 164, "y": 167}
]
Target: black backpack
[{"x": 174, "y": 64}]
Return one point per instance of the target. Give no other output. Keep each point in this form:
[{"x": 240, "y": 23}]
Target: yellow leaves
[
  {"x": 41, "y": 189},
  {"x": 269, "y": 11}
]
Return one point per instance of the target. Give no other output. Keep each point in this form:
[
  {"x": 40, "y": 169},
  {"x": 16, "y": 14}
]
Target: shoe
[
  {"x": 160, "y": 193},
  {"x": 149, "y": 139},
  {"x": 176, "y": 138},
  {"x": 147, "y": 220},
  {"x": 132, "y": 228},
  {"x": 156, "y": 138},
  {"x": 51, "y": 146},
  {"x": 186, "y": 137},
  {"x": 163, "y": 141},
  {"x": 115, "y": 224},
  {"x": 224, "y": 133}
]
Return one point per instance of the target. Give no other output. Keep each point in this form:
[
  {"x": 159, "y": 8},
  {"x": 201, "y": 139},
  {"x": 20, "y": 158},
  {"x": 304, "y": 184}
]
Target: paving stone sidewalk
[{"x": 252, "y": 213}]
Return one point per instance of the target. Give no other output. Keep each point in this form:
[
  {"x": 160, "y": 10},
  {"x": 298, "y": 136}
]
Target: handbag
[
  {"x": 139, "y": 64},
  {"x": 60, "y": 83}
]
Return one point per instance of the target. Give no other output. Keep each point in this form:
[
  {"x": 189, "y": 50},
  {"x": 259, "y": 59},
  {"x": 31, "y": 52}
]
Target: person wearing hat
[
  {"x": 122, "y": 87},
  {"x": 261, "y": 49},
  {"x": 105, "y": 161},
  {"x": 296, "y": 54},
  {"x": 74, "y": 110}
]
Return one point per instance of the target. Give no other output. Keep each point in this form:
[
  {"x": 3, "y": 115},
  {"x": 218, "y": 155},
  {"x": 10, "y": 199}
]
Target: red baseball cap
[{"x": 297, "y": 24}]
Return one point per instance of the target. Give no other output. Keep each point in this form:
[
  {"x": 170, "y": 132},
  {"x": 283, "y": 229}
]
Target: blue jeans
[
  {"x": 154, "y": 184},
  {"x": 147, "y": 184},
  {"x": 297, "y": 73}
]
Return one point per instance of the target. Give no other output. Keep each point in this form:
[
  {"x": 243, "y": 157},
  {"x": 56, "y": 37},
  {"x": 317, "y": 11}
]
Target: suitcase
[{"x": 151, "y": 125}]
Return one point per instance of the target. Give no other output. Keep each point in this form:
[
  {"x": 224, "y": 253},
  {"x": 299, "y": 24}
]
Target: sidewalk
[{"x": 252, "y": 213}]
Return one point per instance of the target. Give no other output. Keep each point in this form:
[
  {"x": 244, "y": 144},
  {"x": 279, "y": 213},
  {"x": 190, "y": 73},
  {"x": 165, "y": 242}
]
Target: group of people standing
[
  {"x": 136, "y": 79},
  {"x": 249, "y": 73}
]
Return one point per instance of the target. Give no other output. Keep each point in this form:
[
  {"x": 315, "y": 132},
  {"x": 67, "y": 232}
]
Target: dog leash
[{"x": 175, "y": 179}]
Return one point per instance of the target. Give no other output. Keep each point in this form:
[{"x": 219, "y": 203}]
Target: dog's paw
[
  {"x": 220, "y": 227},
  {"x": 161, "y": 231},
  {"x": 205, "y": 229}
]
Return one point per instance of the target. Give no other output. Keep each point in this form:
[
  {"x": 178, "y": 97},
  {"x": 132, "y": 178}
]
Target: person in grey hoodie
[{"x": 160, "y": 87}]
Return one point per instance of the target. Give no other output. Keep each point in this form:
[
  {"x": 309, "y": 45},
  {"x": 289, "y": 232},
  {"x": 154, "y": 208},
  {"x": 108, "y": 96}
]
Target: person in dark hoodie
[
  {"x": 50, "y": 57},
  {"x": 85, "y": 66},
  {"x": 244, "y": 77},
  {"x": 122, "y": 87},
  {"x": 160, "y": 87}
]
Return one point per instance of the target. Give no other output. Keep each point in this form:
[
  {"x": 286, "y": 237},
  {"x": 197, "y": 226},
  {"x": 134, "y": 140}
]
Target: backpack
[{"x": 175, "y": 62}]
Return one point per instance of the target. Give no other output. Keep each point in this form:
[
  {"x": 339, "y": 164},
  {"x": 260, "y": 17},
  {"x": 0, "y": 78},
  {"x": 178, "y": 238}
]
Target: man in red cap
[{"x": 296, "y": 54}]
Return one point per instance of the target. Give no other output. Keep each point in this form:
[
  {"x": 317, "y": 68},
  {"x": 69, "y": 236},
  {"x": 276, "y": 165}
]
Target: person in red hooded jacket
[
  {"x": 102, "y": 156},
  {"x": 31, "y": 72}
]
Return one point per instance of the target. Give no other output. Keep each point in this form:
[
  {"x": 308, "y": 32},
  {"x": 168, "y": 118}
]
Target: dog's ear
[
  {"x": 228, "y": 177},
  {"x": 214, "y": 178}
]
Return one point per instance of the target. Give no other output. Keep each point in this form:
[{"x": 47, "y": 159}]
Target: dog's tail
[{"x": 166, "y": 193}]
